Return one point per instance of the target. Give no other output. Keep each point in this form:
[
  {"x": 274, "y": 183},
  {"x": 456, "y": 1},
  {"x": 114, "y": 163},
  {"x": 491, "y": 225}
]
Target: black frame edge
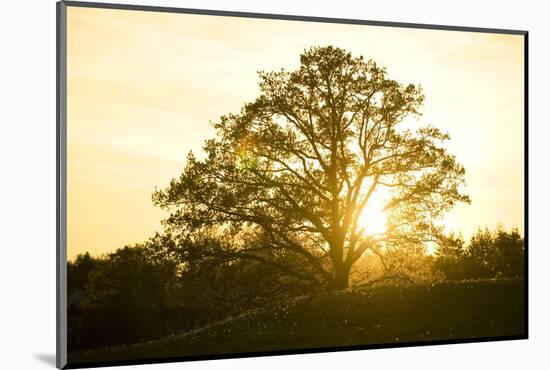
[
  {"x": 61, "y": 185},
  {"x": 288, "y": 17},
  {"x": 526, "y": 178},
  {"x": 225, "y": 356}
]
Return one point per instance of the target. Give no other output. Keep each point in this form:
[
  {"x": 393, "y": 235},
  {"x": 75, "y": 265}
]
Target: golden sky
[{"x": 142, "y": 87}]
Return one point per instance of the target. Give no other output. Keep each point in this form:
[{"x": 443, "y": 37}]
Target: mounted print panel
[{"x": 237, "y": 184}]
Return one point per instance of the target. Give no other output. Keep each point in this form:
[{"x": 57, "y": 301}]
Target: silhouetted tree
[
  {"x": 495, "y": 254},
  {"x": 125, "y": 298},
  {"x": 450, "y": 256},
  {"x": 451, "y": 245},
  {"x": 481, "y": 255},
  {"x": 489, "y": 254},
  {"x": 296, "y": 171},
  {"x": 78, "y": 271},
  {"x": 511, "y": 253}
]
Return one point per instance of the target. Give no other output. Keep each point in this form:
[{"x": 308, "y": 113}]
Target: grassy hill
[{"x": 379, "y": 315}]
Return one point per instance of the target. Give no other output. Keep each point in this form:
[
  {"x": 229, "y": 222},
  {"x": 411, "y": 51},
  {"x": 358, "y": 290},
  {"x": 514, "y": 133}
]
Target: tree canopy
[
  {"x": 489, "y": 254},
  {"x": 296, "y": 180}
]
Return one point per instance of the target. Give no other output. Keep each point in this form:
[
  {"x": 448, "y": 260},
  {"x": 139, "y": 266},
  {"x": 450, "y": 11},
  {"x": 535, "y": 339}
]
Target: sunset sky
[{"x": 143, "y": 86}]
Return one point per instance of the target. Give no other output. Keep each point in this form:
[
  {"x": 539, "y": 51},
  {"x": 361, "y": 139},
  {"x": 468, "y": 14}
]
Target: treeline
[
  {"x": 489, "y": 254},
  {"x": 119, "y": 298},
  {"x": 165, "y": 286},
  {"x": 161, "y": 287}
]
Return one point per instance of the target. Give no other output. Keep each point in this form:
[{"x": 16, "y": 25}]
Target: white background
[{"x": 27, "y": 183}]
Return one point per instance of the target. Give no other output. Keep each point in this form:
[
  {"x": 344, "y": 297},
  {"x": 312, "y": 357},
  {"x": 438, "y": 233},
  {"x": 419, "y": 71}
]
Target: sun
[{"x": 373, "y": 220}]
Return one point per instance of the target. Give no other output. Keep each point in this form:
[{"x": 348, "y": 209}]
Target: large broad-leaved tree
[{"x": 328, "y": 163}]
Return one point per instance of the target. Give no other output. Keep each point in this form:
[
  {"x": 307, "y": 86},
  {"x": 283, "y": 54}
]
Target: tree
[
  {"x": 481, "y": 255},
  {"x": 450, "y": 245},
  {"x": 498, "y": 253},
  {"x": 511, "y": 252},
  {"x": 489, "y": 254},
  {"x": 450, "y": 254},
  {"x": 79, "y": 270},
  {"x": 291, "y": 180},
  {"x": 125, "y": 298}
]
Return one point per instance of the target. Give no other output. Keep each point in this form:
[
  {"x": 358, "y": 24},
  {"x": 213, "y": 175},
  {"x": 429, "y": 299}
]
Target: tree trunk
[{"x": 340, "y": 278}]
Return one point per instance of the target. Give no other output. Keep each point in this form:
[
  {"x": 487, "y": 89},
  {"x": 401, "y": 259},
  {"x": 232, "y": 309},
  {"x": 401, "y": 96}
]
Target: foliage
[
  {"x": 143, "y": 292},
  {"x": 123, "y": 299},
  {"x": 290, "y": 179},
  {"x": 208, "y": 268},
  {"x": 79, "y": 271},
  {"x": 410, "y": 264},
  {"x": 168, "y": 284},
  {"x": 489, "y": 254}
]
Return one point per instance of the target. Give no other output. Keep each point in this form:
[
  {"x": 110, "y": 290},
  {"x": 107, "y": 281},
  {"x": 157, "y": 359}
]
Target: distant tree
[
  {"x": 78, "y": 271},
  {"x": 450, "y": 256},
  {"x": 511, "y": 253},
  {"x": 495, "y": 254},
  {"x": 290, "y": 178},
  {"x": 489, "y": 254},
  {"x": 481, "y": 255},
  {"x": 124, "y": 299},
  {"x": 451, "y": 245}
]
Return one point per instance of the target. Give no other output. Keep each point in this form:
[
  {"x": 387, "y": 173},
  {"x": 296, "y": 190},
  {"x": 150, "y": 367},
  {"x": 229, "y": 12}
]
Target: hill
[{"x": 388, "y": 314}]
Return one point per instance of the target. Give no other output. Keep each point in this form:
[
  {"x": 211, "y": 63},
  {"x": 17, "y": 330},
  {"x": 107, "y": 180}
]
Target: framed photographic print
[{"x": 236, "y": 184}]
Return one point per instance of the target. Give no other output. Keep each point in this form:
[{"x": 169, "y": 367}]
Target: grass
[{"x": 379, "y": 315}]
